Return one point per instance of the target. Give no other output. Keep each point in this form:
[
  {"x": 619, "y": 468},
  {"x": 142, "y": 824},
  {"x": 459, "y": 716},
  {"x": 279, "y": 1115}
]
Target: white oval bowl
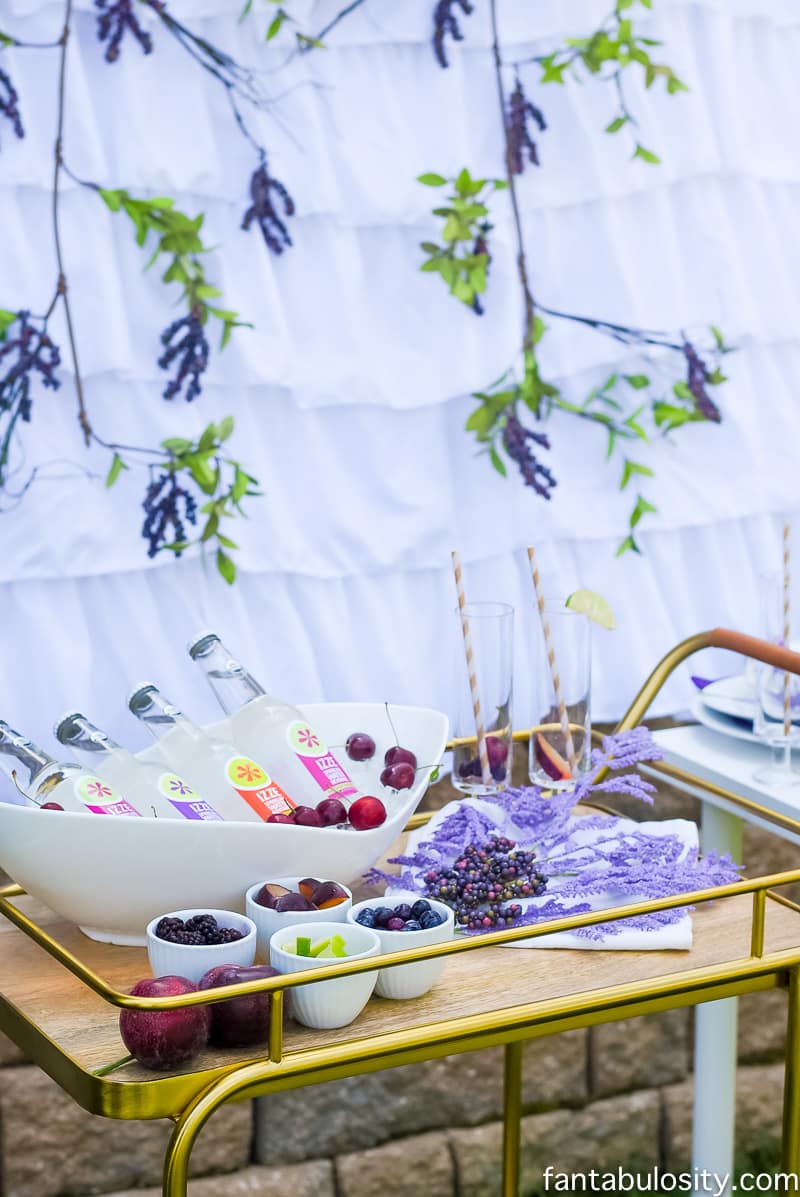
[
  {"x": 404, "y": 981},
  {"x": 112, "y": 875},
  {"x": 268, "y": 921},
  {"x": 326, "y": 1004},
  {"x": 194, "y": 960}
]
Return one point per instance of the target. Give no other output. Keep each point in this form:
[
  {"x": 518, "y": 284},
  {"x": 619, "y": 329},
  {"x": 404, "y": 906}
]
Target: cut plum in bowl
[{"x": 276, "y": 904}]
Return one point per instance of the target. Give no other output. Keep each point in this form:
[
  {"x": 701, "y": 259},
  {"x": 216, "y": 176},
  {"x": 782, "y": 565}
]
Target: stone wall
[{"x": 614, "y": 1095}]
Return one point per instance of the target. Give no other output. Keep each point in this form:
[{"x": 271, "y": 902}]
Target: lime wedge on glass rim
[{"x": 592, "y": 605}]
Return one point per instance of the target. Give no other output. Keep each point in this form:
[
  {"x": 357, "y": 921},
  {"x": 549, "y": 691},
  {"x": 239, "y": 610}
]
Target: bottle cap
[
  {"x": 60, "y": 731},
  {"x": 138, "y": 692},
  {"x": 197, "y": 646}
]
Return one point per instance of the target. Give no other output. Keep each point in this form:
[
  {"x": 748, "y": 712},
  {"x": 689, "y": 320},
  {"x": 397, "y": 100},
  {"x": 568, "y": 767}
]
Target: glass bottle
[
  {"x": 271, "y": 728},
  {"x": 150, "y": 786},
  {"x": 67, "y": 785},
  {"x": 236, "y": 785}
]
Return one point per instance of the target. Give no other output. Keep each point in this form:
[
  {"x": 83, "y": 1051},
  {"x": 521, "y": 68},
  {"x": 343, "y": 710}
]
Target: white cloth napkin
[{"x": 675, "y": 937}]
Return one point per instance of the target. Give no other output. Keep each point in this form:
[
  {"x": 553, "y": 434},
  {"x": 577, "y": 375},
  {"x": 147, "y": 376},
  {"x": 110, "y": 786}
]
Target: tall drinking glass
[
  {"x": 777, "y": 694},
  {"x": 491, "y": 636},
  {"x": 556, "y": 760}
]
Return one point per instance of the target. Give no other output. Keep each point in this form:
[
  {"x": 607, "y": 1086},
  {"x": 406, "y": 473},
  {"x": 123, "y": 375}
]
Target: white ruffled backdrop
[{"x": 351, "y": 393}]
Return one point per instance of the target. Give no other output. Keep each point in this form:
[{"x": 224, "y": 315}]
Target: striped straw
[
  {"x": 787, "y": 703},
  {"x": 480, "y": 731},
  {"x": 551, "y": 657}
]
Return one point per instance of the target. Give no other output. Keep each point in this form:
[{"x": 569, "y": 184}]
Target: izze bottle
[
  {"x": 271, "y": 729},
  {"x": 65, "y": 784},
  {"x": 154, "y": 789},
  {"x": 235, "y": 784}
]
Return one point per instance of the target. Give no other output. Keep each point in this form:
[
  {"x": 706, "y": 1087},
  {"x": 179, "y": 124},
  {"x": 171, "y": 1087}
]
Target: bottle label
[
  {"x": 260, "y": 792},
  {"x": 101, "y": 798},
  {"x": 186, "y": 801},
  {"x": 311, "y": 751}
]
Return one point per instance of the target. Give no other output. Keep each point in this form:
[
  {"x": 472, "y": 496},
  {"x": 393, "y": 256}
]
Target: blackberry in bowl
[{"x": 187, "y": 943}]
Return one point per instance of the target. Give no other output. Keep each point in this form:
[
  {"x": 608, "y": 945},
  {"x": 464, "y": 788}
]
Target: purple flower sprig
[
  {"x": 522, "y": 114},
  {"x": 166, "y": 505},
  {"x": 9, "y": 104},
  {"x": 115, "y": 18},
  {"x": 27, "y": 356},
  {"x": 517, "y": 442},
  {"x": 185, "y": 339},
  {"x": 698, "y": 375},
  {"x": 600, "y": 857},
  {"x": 445, "y": 24},
  {"x": 265, "y": 191}
]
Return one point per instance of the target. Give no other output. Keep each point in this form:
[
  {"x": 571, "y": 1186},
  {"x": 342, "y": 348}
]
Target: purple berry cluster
[
  {"x": 115, "y": 19},
  {"x": 162, "y": 502},
  {"x": 697, "y": 377},
  {"x": 9, "y": 104},
  {"x": 445, "y": 24},
  {"x": 482, "y": 883},
  {"x": 201, "y": 930},
  {"x": 516, "y": 442},
  {"x": 519, "y": 142},
  {"x": 262, "y": 189},
  {"x": 404, "y": 917},
  {"x": 186, "y": 339},
  {"x": 26, "y": 353}
]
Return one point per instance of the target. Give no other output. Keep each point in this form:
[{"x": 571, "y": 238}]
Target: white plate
[
  {"x": 735, "y": 696},
  {"x": 726, "y": 725}
]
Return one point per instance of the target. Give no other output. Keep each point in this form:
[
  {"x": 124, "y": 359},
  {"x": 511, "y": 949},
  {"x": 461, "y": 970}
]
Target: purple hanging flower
[
  {"x": 27, "y": 354},
  {"x": 264, "y": 191},
  {"x": 445, "y": 24},
  {"x": 522, "y": 113},
  {"x": 115, "y": 19},
  {"x": 185, "y": 339},
  {"x": 9, "y": 103},
  {"x": 697, "y": 376},
  {"x": 517, "y": 442},
  {"x": 166, "y": 504}
]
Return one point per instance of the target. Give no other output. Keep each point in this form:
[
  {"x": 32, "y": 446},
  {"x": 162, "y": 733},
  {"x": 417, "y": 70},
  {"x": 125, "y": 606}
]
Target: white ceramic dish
[
  {"x": 726, "y": 725},
  {"x": 326, "y": 1004},
  {"x": 112, "y": 875},
  {"x": 734, "y": 696},
  {"x": 408, "y": 980},
  {"x": 269, "y": 921},
  {"x": 194, "y": 960}
]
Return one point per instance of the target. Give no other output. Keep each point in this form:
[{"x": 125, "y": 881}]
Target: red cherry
[
  {"x": 331, "y": 811},
  {"x": 367, "y": 812},
  {"x": 306, "y": 816},
  {"x": 400, "y": 756},
  {"x": 397, "y": 777},
  {"x": 360, "y": 747},
  {"x": 51, "y": 806},
  {"x": 280, "y": 819}
]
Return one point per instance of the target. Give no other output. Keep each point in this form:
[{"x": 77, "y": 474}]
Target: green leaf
[
  {"x": 637, "y": 381},
  {"x": 241, "y": 481},
  {"x": 112, "y": 199},
  {"x": 646, "y": 155},
  {"x": 612, "y": 440},
  {"x": 500, "y": 184},
  {"x": 641, "y": 508},
  {"x": 203, "y": 473},
  {"x": 431, "y": 179},
  {"x": 207, "y": 439},
  {"x": 719, "y": 340},
  {"x": 212, "y": 524},
  {"x": 225, "y": 428},
  {"x": 628, "y": 545},
  {"x": 246, "y": 10},
  {"x": 6, "y": 40},
  {"x": 539, "y": 329},
  {"x": 117, "y": 466},
  {"x": 226, "y": 567},
  {"x": 275, "y": 24},
  {"x": 497, "y": 462},
  {"x": 226, "y": 541},
  {"x": 633, "y": 467},
  {"x": 674, "y": 84},
  {"x": 464, "y": 182},
  {"x": 617, "y": 124},
  {"x": 176, "y": 445},
  {"x": 430, "y": 247},
  {"x": 716, "y": 377},
  {"x": 552, "y": 72},
  {"x": 6, "y": 320},
  {"x": 681, "y": 391}
]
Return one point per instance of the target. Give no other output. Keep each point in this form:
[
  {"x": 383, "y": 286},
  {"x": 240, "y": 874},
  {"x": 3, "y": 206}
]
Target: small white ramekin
[
  {"x": 326, "y": 1004},
  {"x": 408, "y": 980},
  {"x": 269, "y": 921},
  {"x": 194, "y": 960}
]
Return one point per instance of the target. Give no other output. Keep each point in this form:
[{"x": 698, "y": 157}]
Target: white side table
[{"x": 727, "y": 764}]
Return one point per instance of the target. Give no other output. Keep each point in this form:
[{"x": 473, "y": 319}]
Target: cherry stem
[
  {"x": 107, "y": 1068},
  {"x": 391, "y": 725}
]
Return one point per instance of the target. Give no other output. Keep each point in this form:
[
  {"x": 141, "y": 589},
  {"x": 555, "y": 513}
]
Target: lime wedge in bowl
[{"x": 594, "y": 606}]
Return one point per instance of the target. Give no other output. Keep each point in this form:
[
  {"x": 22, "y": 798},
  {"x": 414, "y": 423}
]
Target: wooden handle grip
[{"x": 752, "y": 646}]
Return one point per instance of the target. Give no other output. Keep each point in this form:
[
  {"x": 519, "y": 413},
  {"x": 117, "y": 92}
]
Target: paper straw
[
  {"x": 551, "y": 657},
  {"x": 480, "y": 731},
  {"x": 787, "y": 703}
]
